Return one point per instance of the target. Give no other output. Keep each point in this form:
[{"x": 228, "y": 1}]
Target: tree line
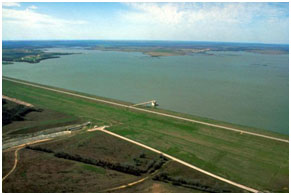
[{"x": 152, "y": 166}]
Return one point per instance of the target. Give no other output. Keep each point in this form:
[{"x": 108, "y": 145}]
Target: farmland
[{"x": 253, "y": 161}]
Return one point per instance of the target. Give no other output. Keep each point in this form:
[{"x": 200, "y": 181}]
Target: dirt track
[
  {"x": 17, "y": 101},
  {"x": 16, "y": 155},
  {"x": 135, "y": 182},
  {"x": 15, "y": 163}
]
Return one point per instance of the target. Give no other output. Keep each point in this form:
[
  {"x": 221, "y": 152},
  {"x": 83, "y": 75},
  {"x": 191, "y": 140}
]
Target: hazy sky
[{"x": 230, "y": 22}]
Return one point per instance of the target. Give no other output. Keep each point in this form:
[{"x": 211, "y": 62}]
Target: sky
[{"x": 221, "y": 22}]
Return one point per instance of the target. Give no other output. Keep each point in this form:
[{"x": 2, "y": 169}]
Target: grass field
[{"x": 253, "y": 161}]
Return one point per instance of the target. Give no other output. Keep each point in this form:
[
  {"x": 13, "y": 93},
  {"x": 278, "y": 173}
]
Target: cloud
[
  {"x": 156, "y": 13},
  {"x": 231, "y": 22},
  {"x": 10, "y": 4},
  {"x": 209, "y": 21},
  {"x": 30, "y": 24},
  {"x": 30, "y": 17},
  {"x": 175, "y": 13},
  {"x": 32, "y": 7}
]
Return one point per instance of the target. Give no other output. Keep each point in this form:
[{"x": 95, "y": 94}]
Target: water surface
[{"x": 238, "y": 87}]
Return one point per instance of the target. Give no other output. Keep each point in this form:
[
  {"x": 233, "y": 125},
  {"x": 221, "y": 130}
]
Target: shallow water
[{"x": 238, "y": 87}]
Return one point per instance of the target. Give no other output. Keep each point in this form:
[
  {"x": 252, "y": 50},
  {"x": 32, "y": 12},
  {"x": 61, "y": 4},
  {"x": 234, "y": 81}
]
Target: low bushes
[
  {"x": 14, "y": 112},
  {"x": 121, "y": 167},
  {"x": 38, "y": 148},
  {"x": 105, "y": 164},
  {"x": 188, "y": 183}
]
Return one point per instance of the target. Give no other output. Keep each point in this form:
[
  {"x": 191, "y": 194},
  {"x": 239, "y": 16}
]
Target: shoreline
[{"x": 227, "y": 125}]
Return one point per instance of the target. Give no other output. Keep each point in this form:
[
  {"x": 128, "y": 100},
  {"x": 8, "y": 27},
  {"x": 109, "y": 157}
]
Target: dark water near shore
[{"x": 238, "y": 87}]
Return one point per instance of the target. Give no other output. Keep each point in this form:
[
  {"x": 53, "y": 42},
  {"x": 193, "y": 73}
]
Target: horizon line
[{"x": 144, "y": 40}]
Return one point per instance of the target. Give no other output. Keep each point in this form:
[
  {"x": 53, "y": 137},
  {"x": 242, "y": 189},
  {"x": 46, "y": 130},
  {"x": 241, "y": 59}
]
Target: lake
[{"x": 237, "y": 87}]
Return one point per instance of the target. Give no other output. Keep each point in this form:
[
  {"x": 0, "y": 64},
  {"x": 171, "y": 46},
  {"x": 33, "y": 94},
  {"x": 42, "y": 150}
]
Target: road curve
[
  {"x": 15, "y": 163},
  {"x": 135, "y": 182},
  {"x": 19, "y": 147},
  {"x": 184, "y": 163},
  {"x": 149, "y": 111},
  {"x": 126, "y": 185}
]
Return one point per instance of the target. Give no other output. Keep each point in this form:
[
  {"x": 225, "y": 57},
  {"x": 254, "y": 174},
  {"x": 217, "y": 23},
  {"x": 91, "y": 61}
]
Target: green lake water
[{"x": 237, "y": 87}]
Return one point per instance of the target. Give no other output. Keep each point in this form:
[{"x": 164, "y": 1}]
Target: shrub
[
  {"x": 38, "y": 148},
  {"x": 189, "y": 184},
  {"x": 142, "y": 155}
]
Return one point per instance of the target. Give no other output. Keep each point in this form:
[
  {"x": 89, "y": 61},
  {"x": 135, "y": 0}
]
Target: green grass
[
  {"x": 37, "y": 121},
  {"x": 253, "y": 161},
  {"x": 226, "y": 124},
  {"x": 94, "y": 169},
  {"x": 44, "y": 125},
  {"x": 23, "y": 174}
]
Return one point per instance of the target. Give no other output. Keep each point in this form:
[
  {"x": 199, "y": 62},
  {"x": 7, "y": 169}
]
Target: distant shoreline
[{"x": 31, "y": 51}]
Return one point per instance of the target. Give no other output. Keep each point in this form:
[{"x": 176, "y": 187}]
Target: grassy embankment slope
[
  {"x": 19, "y": 119},
  {"x": 253, "y": 161}
]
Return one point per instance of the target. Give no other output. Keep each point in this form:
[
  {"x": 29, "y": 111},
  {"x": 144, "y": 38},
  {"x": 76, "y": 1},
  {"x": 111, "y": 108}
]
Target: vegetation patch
[
  {"x": 14, "y": 112},
  {"x": 189, "y": 184},
  {"x": 125, "y": 168},
  {"x": 18, "y": 120},
  {"x": 180, "y": 175},
  {"x": 40, "y": 172},
  {"x": 93, "y": 169},
  {"x": 28, "y": 55},
  {"x": 7, "y": 162}
]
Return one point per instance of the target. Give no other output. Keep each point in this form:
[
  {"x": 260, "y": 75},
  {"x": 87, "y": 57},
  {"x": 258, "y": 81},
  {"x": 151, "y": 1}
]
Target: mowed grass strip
[{"x": 253, "y": 161}]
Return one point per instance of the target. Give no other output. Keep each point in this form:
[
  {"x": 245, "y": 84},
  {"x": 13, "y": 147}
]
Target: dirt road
[
  {"x": 16, "y": 155},
  {"x": 97, "y": 128},
  {"x": 15, "y": 163},
  {"x": 149, "y": 111},
  {"x": 17, "y": 101},
  {"x": 135, "y": 182}
]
